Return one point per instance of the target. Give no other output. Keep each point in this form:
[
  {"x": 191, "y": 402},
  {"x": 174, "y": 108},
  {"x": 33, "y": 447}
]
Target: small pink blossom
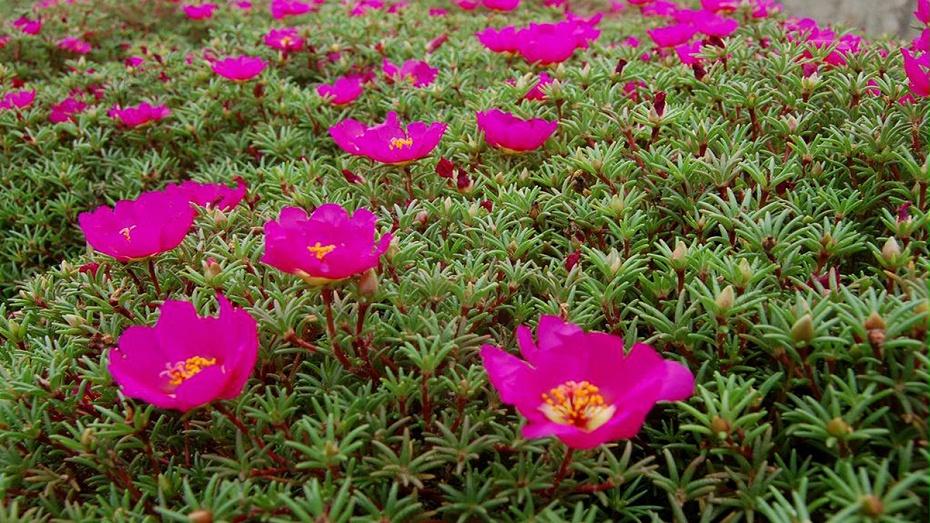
[
  {"x": 4, "y": 39},
  {"x": 713, "y": 24},
  {"x": 239, "y": 68},
  {"x": 199, "y": 12},
  {"x": 916, "y": 68},
  {"x": 209, "y": 195},
  {"x": 582, "y": 387},
  {"x": 65, "y": 110},
  {"x": 672, "y": 35},
  {"x": 500, "y": 40},
  {"x": 243, "y": 5},
  {"x": 186, "y": 360},
  {"x": 688, "y": 53},
  {"x": 28, "y": 26},
  {"x": 501, "y": 5},
  {"x": 506, "y": 131},
  {"x": 536, "y": 92},
  {"x": 553, "y": 43},
  {"x": 285, "y": 39},
  {"x": 343, "y": 91},
  {"x": 417, "y": 72},
  {"x": 284, "y": 8},
  {"x": 389, "y": 142},
  {"x": 151, "y": 224},
  {"x": 468, "y": 5},
  {"x": 325, "y": 247},
  {"x": 134, "y": 62},
  {"x": 660, "y": 8},
  {"x": 437, "y": 11},
  {"x": 21, "y": 99},
  {"x": 631, "y": 41},
  {"x": 74, "y": 44},
  {"x": 134, "y": 116}
]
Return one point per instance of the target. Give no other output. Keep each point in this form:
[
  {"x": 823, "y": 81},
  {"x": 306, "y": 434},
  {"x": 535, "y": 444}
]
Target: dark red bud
[
  {"x": 572, "y": 259},
  {"x": 351, "y": 177},
  {"x": 659, "y": 103},
  {"x": 437, "y": 42},
  {"x": 445, "y": 168},
  {"x": 620, "y": 65}
]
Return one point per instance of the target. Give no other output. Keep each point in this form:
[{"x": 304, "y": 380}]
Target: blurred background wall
[{"x": 875, "y": 17}]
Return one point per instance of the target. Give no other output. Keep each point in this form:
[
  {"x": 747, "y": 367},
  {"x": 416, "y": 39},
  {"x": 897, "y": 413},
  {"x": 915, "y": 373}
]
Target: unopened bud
[
  {"x": 891, "y": 251},
  {"x": 838, "y": 428},
  {"x": 368, "y": 284},
  {"x": 803, "y": 330},
  {"x": 720, "y": 427},
  {"x": 200, "y": 516},
  {"x": 726, "y": 299},
  {"x": 421, "y": 218},
  {"x": 874, "y": 321},
  {"x": 872, "y": 506},
  {"x": 679, "y": 259}
]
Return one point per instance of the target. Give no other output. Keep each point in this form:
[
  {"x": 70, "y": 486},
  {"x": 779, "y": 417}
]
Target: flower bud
[
  {"x": 720, "y": 427},
  {"x": 872, "y": 506},
  {"x": 838, "y": 428},
  {"x": 891, "y": 251},
  {"x": 200, "y": 516},
  {"x": 368, "y": 284},
  {"x": 803, "y": 330},
  {"x": 725, "y": 299},
  {"x": 874, "y": 321},
  {"x": 679, "y": 258}
]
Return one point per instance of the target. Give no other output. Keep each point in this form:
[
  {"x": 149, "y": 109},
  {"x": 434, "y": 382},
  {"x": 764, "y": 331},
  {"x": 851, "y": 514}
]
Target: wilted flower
[
  {"x": 326, "y": 247},
  {"x": 388, "y": 142},
  {"x": 916, "y": 68},
  {"x": 210, "y": 195},
  {"x": 581, "y": 387},
  {"x": 66, "y": 109},
  {"x": 285, "y": 39},
  {"x": 506, "y": 131},
  {"x": 76, "y": 45},
  {"x": 141, "y": 114},
  {"x": 199, "y": 12},
  {"x": 343, "y": 91},
  {"x": 153, "y": 223},
  {"x": 18, "y": 99},
  {"x": 417, "y": 72},
  {"x": 239, "y": 68},
  {"x": 186, "y": 360}
]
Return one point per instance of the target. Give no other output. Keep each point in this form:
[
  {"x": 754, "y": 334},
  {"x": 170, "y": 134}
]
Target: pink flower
[
  {"x": 500, "y": 40},
  {"x": 243, "y": 5},
  {"x": 199, "y": 12},
  {"x": 326, "y": 247},
  {"x": 74, "y": 44},
  {"x": 388, "y": 142},
  {"x": 506, "y": 131},
  {"x": 714, "y": 25},
  {"x": 437, "y": 11},
  {"x": 66, "y": 109},
  {"x": 417, "y": 72},
  {"x": 581, "y": 387},
  {"x": 672, "y": 35},
  {"x": 151, "y": 224},
  {"x": 716, "y": 6},
  {"x": 134, "y": 61},
  {"x": 688, "y": 53},
  {"x": 501, "y": 5},
  {"x": 209, "y": 195},
  {"x": 284, "y": 8},
  {"x": 285, "y": 39},
  {"x": 640, "y": 2},
  {"x": 923, "y": 11},
  {"x": 536, "y": 92},
  {"x": 467, "y": 5},
  {"x": 916, "y": 70},
  {"x": 239, "y": 68},
  {"x": 18, "y": 99},
  {"x": 343, "y": 91},
  {"x": 28, "y": 26},
  {"x": 4, "y": 39},
  {"x": 141, "y": 114},
  {"x": 186, "y": 360},
  {"x": 660, "y": 8},
  {"x": 553, "y": 43}
]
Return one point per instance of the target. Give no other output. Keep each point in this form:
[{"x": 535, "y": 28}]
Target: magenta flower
[
  {"x": 660, "y": 8},
  {"x": 581, "y": 387},
  {"x": 4, "y": 39},
  {"x": 18, "y": 99},
  {"x": 199, "y": 12},
  {"x": 916, "y": 69},
  {"x": 554, "y": 43},
  {"x": 688, "y": 53},
  {"x": 501, "y": 5},
  {"x": 500, "y": 40},
  {"x": 239, "y": 68},
  {"x": 326, "y": 247},
  {"x": 713, "y": 24},
  {"x": 506, "y": 131},
  {"x": 672, "y": 35},
  {"x": 923, "y": 11},
  {"x": 418, "y": 73},
  {"x": 186, "y": 360},
  {"x": 66, "y": 109},
  {"x": 135, "y": 116},
  {"x": 210, "y": 195},
  {"x": 75, "y": 45},
  {"x": 343, "y": 91},
  {"x": 284, "y": 8},
  {"x": 28, "y": 26},
  {"x": 151, "y": 224},
  {"x": 388, "y": 142},
  {"x": 285, "y": 39},
  {"x": 536, "y": 92}
]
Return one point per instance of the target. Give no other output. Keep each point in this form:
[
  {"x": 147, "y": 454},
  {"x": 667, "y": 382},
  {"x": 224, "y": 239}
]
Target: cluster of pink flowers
[
  {"x": 543, "y": 43},
  {"x": 807, "y": 31}
]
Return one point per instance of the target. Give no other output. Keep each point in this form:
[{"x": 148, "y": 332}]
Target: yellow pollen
[
  {"x": 125, "y": 232},
  {"x": 577, "y": 404},
  {"x": 400, "y": 143},
  {"x": 286, "y": 41},
  {"x": 320, "y": 250},
  {"x": 184, "y": 370}
]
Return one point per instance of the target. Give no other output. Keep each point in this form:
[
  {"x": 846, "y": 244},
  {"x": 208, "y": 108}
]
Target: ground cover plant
[{"x": 460, "y": 261}]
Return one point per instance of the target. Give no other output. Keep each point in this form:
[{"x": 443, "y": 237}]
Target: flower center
[
  {"x": 400, "y": 143},
  {"x": 125, "y": 232},
  {"x": 320, "y": 250},
  {"x": 184, "y": 370},
  {"x": 577, "y": 404}
]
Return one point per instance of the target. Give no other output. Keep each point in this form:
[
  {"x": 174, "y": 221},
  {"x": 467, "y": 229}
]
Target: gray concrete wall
[{"x": 875, "y": 17}]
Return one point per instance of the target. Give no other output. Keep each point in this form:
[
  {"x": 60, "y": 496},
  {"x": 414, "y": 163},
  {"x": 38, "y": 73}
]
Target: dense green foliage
[{"x": 701, "y": 230}]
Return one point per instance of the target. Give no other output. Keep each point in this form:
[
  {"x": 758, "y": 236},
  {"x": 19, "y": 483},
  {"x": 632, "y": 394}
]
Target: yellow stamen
[
  {"x": 286, "y": 41},
  {"x": 321, "y": 250},
  {"x": 400, "y": 143},
  {"x": 125, "y": 232},
  {"x": 578, "y": 404},
  {"x": 184, "y": 370}
]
